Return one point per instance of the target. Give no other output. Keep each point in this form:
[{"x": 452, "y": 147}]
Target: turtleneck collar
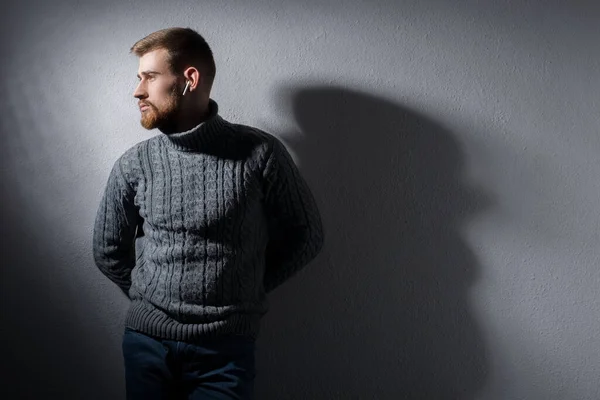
[{"x": 195, "y": 138}]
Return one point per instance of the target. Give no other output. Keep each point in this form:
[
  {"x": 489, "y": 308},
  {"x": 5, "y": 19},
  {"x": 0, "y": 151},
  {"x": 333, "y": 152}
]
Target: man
[{"x": 196, "y": 226}]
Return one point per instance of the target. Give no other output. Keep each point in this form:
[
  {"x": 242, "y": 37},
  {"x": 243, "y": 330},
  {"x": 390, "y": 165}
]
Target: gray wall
[{"x": 452, "y": 147}]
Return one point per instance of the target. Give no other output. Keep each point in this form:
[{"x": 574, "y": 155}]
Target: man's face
[{"x": 157, "y": 90}]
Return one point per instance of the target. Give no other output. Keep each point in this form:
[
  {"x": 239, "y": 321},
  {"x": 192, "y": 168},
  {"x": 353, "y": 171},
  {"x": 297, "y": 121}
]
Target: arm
[
  {"x": 115, "y": 230},
  {"x": 295, "y": 227}
]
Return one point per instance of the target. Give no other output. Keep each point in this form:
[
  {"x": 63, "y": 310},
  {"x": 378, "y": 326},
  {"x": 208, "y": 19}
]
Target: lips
[{"x": 143, "y": 107}]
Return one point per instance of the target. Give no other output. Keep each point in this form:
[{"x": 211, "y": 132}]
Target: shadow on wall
[
  {"x": 384, "y": 311},
  {"x": 49, "y": 350}
]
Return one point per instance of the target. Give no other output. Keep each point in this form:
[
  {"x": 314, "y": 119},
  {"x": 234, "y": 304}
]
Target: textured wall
[{"x": 452, "y": 147}]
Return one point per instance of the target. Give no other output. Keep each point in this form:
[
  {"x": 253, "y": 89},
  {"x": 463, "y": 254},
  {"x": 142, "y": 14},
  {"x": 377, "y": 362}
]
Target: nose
[{"x": 139, "y": 91}]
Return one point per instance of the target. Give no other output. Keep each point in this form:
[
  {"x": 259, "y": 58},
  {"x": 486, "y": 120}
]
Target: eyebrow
[{"x": 149, "y": 73}]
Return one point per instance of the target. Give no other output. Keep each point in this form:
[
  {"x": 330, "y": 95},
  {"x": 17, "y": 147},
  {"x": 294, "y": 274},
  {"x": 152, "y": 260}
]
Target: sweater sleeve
[
  {"x": 115, "y": 229},
  {"x": 295, "y": 227}
]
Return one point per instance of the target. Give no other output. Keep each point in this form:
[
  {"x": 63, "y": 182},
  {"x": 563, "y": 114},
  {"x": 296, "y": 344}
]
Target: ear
[{"x": 194, "y": 76}]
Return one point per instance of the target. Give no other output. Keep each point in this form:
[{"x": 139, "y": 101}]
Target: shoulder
[
  {"x": 261, "y": 143},
  {"x": 265, "y": 142},
  {"x": 132, "y": 155},
  {"x": 129, "y": 163},
  {"x": 253, "y": 134}
]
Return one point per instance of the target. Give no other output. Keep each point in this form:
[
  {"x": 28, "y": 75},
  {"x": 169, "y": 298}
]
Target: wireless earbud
[{"x": 186, "y": 86}]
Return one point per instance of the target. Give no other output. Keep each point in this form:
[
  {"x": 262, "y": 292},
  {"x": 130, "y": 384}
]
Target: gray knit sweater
[{"x": 196, "y": 227}]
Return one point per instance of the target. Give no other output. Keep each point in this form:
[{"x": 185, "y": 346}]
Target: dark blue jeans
[{"x": 214, "y": 368}]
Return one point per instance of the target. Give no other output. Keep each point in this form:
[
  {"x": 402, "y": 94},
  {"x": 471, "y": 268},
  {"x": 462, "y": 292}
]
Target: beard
[{"x": 165, "y": 117}]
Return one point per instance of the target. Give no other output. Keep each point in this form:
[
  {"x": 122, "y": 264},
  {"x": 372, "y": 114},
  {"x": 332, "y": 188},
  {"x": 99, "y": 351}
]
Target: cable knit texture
[{"x": 196, "y": 227}]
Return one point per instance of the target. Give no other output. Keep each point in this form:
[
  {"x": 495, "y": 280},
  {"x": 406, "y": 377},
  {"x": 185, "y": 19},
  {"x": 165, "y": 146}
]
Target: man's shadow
[{"x": 384, "y": 311}]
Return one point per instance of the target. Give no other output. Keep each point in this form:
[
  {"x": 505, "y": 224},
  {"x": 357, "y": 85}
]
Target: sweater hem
[{"x": 154, "y": 322}]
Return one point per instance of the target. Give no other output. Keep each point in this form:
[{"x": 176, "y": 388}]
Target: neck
[
  {"x": 200, "y": 135},
  {"x": 188, "y": 119}
]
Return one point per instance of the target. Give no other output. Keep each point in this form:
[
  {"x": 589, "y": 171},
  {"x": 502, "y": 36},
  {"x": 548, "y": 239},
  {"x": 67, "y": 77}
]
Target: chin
[
  {"x": 148, "y": 124},
  {"x": 152, "y": 119},
  {"x": 149, "y": 121}
]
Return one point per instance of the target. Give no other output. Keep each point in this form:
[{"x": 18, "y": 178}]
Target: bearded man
[{"x": 196, "y": 226}]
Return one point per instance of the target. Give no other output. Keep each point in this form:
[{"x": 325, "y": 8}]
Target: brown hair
[{"x": 185, "y": 48}]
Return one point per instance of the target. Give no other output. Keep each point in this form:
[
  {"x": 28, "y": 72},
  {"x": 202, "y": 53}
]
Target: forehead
[{"x": 155, "y": 60}]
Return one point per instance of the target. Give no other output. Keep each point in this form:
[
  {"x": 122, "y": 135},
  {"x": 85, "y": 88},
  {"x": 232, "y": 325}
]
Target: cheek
[
  {"x": 158, "y": 101},
  {"x": 163, "y": 99}
]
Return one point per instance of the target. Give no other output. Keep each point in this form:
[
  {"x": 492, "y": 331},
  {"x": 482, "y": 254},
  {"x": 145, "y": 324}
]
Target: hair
[{"x": 185, "y": 47}]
